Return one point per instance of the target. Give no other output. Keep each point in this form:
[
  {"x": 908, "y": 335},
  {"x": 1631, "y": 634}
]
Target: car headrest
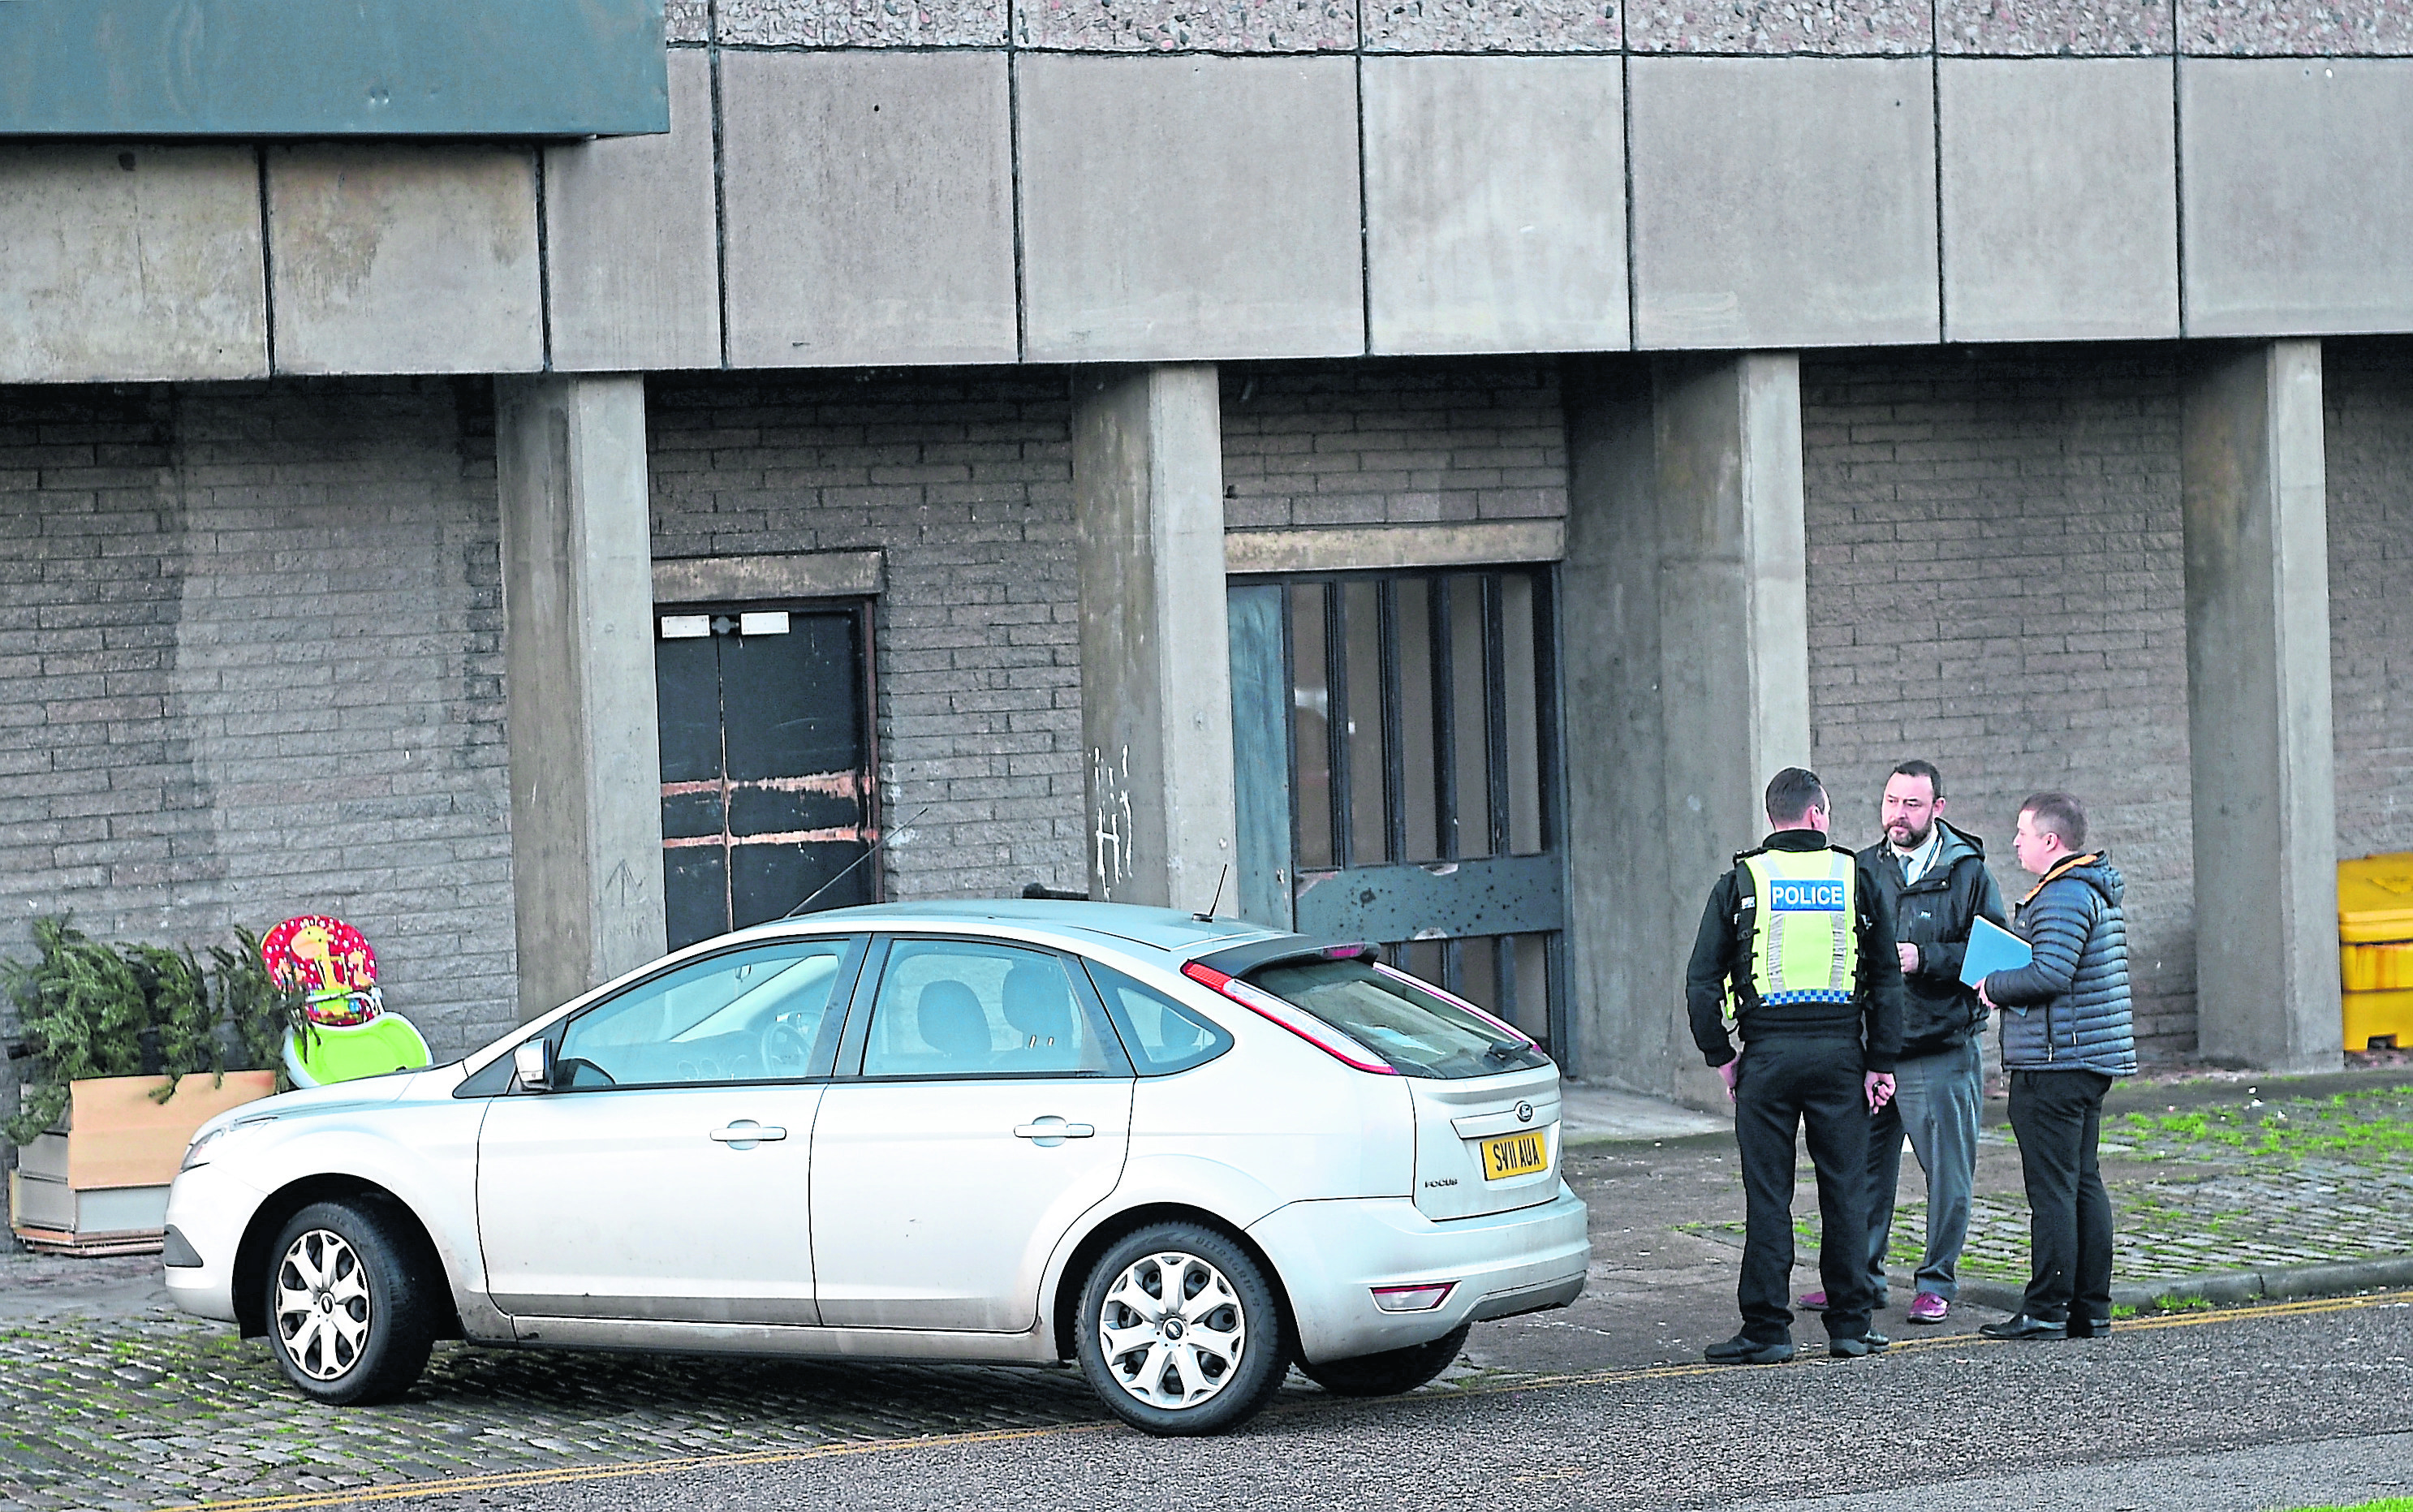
[
  {"x": 952, "y": 1021},
  {"x": 1039, "y": 1003}
]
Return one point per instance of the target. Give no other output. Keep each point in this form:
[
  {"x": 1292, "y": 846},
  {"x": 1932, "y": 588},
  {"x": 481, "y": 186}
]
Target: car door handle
[
  {"x": 1052, "y": 1130},
  {"x": 745, "y": 1134}
]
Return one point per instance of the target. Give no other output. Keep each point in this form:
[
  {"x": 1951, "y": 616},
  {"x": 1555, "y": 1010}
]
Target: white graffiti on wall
[{"x": 1111, "y": 814}]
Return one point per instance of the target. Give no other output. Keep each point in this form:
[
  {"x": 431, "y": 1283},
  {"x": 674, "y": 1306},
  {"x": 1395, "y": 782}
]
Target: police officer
[{"x": 1797, "y": 949}]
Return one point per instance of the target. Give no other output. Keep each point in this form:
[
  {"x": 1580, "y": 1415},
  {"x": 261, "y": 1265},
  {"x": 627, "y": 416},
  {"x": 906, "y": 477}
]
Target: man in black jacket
[
  {"x": 1935, "y": 876},
  {"x": 1799, "y": 940}
]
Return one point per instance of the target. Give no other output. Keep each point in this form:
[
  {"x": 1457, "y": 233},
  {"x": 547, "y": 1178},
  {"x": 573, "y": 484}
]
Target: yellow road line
[{"x": 505, "y": 1480}]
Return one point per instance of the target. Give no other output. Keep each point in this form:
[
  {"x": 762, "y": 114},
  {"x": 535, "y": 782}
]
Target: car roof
[{"x": 1166, "y": 929}]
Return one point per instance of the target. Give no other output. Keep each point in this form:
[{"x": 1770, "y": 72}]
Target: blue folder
[{"x": 1992, "y": 948}]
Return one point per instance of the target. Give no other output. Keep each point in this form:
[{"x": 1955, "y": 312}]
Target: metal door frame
[
  {"x": 1485, "y": 896},
  {"x": 865, "y": 608}
]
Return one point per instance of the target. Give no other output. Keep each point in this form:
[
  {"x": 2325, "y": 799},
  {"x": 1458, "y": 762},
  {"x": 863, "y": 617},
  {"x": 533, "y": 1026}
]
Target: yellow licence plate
[{"x": 1516, "y": 1154}]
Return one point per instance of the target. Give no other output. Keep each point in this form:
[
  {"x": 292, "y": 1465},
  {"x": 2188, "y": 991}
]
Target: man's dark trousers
[
  {"x": 2058, "y": 1118},
  {"x": 1813, "y": 1083}
]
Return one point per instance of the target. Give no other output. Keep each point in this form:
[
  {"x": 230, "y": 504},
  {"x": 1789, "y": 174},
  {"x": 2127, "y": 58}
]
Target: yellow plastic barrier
[{"x": 2375, "y": 949}]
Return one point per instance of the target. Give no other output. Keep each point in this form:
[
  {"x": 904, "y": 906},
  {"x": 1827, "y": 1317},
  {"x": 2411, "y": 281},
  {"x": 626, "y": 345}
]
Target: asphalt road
[{"x": 2281, "y": 1406}]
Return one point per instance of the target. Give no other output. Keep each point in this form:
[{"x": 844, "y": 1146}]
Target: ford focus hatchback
[{"x": 1183, "y": 1154}]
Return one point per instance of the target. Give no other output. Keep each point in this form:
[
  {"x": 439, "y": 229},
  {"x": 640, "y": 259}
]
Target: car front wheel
[
  {"x": 1179, "y": 1332},
  {"x": 349, "y": 1317},
  {"x": 1390, "y": 1373}
]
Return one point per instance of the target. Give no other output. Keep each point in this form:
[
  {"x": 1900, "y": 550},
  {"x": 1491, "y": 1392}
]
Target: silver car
[{"x": 1185, "y": 1153}]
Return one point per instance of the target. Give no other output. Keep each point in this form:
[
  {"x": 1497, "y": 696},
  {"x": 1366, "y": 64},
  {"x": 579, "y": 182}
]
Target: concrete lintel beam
[
  {"x": 1156, "y": 674},
  {"x": 585, "y": 757},
  {"x": 2253, "y": 483}
]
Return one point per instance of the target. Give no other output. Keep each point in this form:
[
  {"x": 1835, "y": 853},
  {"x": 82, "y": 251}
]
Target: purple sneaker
[
  {"x": 1812, "y": 1301},
  {"x": 1928, "y": 1307}
]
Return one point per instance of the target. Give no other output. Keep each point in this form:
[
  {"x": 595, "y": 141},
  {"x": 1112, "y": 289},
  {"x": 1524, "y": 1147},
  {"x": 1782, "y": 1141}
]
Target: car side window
[
  {"x": 977, "y": 1008},
  {"x": 755, "y": 1014},
  {"x": 1162, "y": 1036}
]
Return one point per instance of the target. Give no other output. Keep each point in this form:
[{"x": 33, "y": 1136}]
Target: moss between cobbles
[{"x": 2372, "y": 1126}]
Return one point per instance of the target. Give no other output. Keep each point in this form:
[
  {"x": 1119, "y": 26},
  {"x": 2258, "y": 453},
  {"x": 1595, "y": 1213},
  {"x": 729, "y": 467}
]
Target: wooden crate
[{"x": 96, "y": 1182}]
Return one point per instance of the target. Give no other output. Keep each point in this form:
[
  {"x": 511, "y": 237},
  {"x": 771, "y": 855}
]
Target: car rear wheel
[
  {"x": 1179, "y": 1332},
  {"x": 1390, "y": 1373},
  {"x": 349, "y": 1315}
]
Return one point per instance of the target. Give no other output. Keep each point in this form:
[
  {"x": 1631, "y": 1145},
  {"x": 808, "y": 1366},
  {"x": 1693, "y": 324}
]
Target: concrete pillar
[
  {"x": 578, "y": 597},
  {"x": 1687, "y": 672},
  {"x": 1156, "y": 673},
  {"x": 2258, "y": 708}
]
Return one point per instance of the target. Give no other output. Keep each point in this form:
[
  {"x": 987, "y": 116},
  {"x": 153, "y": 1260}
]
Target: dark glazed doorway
[
  {"x": 767, "y": 787},
  {"x": 1413, "y": 716}
]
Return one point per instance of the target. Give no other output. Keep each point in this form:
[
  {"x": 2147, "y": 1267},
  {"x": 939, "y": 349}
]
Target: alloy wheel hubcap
[
  {"x": 322, "y": 1305},
  {"x": 1172, "y": 1331}
]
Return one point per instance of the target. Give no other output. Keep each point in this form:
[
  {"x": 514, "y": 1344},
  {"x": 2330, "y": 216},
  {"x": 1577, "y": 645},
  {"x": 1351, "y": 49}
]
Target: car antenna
[
  {"x": 1209, "y": 917},
  {"x": 877, "y": 847}
]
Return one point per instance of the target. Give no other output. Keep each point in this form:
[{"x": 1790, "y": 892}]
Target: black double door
[{"x": 767, "y": 790}]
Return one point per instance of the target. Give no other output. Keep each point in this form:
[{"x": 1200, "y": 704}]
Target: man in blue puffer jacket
[{"x": 2067, "y": 1035}]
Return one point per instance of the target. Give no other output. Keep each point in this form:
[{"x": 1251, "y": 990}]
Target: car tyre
[
  {"x": 1391, "y": 1372},
  {"x": 350, "y": 1315},
  {"x": 1205, "y": 1364}
]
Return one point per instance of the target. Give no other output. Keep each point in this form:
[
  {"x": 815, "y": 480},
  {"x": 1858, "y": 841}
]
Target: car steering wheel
[{"x": 785, "y": 1049}]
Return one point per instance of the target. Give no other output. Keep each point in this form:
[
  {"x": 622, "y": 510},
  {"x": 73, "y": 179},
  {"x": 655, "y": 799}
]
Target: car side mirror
[{"x": 532, "y": 1066}]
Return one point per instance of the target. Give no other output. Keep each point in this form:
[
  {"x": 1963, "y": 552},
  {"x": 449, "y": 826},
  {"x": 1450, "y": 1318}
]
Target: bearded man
[{"x": 1934, "y": 876}]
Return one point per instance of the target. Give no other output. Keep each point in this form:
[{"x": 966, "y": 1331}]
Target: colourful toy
[{"x": 351, "y": 1034}]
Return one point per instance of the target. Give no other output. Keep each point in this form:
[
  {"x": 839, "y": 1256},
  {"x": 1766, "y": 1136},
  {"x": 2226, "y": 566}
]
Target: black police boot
[
  {"x": 1871, "y": 1342},
  {"x": 1741, "y": 1351},
  {"x": 2020, "y": 1326}
]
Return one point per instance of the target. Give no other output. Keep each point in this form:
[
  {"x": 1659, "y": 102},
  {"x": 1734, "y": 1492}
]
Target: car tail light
[
  {"x": 1306, "y": 1026},
  {"x": 1507, "y": 1031},
  {"x": 1419, "y": 1299}
]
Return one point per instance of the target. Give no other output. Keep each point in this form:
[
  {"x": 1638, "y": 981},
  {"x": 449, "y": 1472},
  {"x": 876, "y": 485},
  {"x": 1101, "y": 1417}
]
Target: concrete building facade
[{"x": 1433, "y": 461}]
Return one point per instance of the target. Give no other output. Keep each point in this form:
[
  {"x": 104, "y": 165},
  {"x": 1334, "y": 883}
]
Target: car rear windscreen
[{"x": 1418, "y": 1030}]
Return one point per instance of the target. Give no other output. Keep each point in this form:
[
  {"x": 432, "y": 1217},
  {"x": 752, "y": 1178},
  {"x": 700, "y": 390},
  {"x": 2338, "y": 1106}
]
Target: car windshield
[{"x": 1417, "y": 1028}]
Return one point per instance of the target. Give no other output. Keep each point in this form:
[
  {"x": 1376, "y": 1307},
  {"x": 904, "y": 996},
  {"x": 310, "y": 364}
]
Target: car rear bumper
[
  {"x": 1332, "y": 1254},
  {"x": 211, "y": 1210}
]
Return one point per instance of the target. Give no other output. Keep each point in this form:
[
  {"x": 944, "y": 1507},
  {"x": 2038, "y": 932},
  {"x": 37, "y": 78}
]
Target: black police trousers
[{"x": 1810, "y": 1083}]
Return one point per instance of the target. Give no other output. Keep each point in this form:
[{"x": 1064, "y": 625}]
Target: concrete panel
[
  {"x": 403, "y": 259},
  {"x": 888, "y": 24},
  {"x": 631, "y": 268},
  {"x": 2246, "y": 28},
  {"x": 1495, "y": 27},
  {"x": 1495, "y": 204},
  {"x": 1832, "y": 27},
  {"x": 2298, "y": 185},
  {"x": 2254, "y": 483},
  {"x": 869, "y": 210},
  {"x": 2052, "y": 28},
  {"x": 1183, "y": 25},
  {"x": 1190, "y": 207},
  {"x": 771, "y": 23},
  {"x": 1351, "y": 548},
  {"x": 1782, "y": 202},
  {"x": 130, "y": 263},
  {"x": 687, "y": 20},
  {"x": 2060, "y": 200}
]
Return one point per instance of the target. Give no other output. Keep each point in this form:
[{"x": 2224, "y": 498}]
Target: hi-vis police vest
[{"x": 1804, "y": 945}]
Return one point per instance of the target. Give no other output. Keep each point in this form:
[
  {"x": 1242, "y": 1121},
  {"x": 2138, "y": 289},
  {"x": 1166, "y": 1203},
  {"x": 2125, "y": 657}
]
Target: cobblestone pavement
[
  {"x": 110, "y": 1400},
  {"x": 2237, "y": 1185}
]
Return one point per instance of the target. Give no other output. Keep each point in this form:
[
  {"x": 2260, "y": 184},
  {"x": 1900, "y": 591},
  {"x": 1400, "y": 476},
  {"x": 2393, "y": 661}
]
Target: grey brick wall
[
  {"x": 2369, "y": 388},
  {"x": 249, "y": 664},
  {"x": 1372, "y": 443},
  {"x": 1996, "y": 583},
  {"x": 966, "y": 482}
]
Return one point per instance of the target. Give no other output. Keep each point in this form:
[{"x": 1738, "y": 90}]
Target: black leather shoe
[
  {"x": 2089, "y": 1328},
  {"x": 1741, "y": 1351},
  {"x": 1867, "y": 1343},
  {"x": 2019, "y": 1326}
]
